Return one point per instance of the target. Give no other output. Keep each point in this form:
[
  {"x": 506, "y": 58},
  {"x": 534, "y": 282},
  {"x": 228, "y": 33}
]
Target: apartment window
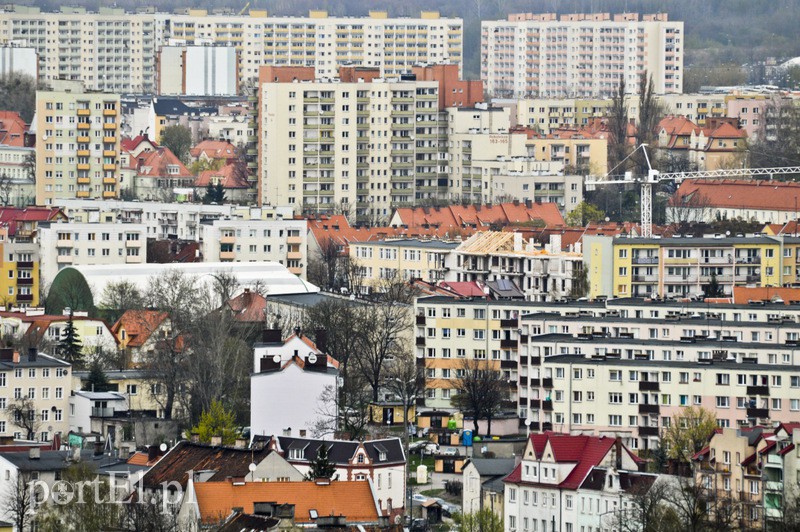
[
  {"x": 615, "y": 420},
  {"x": 723, "y": 402}
]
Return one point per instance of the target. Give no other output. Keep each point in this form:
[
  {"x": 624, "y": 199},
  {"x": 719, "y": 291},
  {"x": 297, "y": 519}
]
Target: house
[
  {"x": 380, "y": 461},
  {"x": 210, "y": 151},
  {"x": 138, "y": 145},
  {"x": 545, "y": 486},
  {"x": 317, "y": 504},
  {"x": 88, "y": 409},
  {"x": 456, "y": 217},
  {"x": 138, "y": 332},
  {"x": 233, "y": 179},
  {"x": 298, "y": 373},
  {"x": 482, "y": 481},
  {"x": 720, "y": 144},
  {"x": 158, "y": 174}
]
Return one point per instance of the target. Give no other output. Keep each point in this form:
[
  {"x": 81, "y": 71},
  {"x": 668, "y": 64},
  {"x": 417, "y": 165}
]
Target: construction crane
[
  {"x": 654, "y": 176},
  {"x": 244, "y": 9}
]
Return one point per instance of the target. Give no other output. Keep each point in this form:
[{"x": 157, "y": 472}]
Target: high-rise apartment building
[
  {"x": 580, "y": 55},
  {"x": 114, "y": 50},
  {"x": 77, "y": 144},
  {"x": 361, "y": 146}
]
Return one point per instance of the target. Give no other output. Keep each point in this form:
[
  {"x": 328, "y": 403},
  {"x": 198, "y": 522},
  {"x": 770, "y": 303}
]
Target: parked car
[
  {"x": 451, "y": 451},
  {"x": 427, "y": 447},
  {"x": 420, "y": 498},
  {"x": 448, "y": 508}
]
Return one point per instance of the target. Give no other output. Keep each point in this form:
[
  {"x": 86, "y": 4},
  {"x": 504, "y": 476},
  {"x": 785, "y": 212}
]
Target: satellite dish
[
  {"x": 527, "y": 422},
  {"x": 163, "y": 447},
  {"x": 276, "y": 359},
  {"x": 252, "y": 468},
  {"x": 312, "y": 358}
]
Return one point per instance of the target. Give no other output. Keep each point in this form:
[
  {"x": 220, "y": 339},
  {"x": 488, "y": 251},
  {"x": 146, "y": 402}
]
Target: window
[
  {"x": 723, "y": 402},
  {"x": 615, "y": 420},
  {"x": 131, "y": 389}
]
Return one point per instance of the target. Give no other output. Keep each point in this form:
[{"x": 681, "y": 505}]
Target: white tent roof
[{"x": 273, "y": 277}]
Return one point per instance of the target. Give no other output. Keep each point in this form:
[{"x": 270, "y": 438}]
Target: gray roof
[
  {"x": 700, "y": 241},
  {"x": 697, "y": 320},
  {"x": 54, "y": 460},
  {"x": 490, "y": 467},
  {"x": 101, "y": 396},
  {"x": 307, "y": 300},
  {"x": 42, "y": 361},
  {"x": 710, "y": 343}
]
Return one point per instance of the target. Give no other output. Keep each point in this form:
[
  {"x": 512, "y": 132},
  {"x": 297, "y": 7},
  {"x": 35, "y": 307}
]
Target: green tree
[
  {"x": 713, "y": 288},
  {"x": 18, "y": 93},
  {"x": 178, "y": 139},
  {"x": 688, "y": 433},
  {"x": 96, "y": 381},
  {"x": 214, "y": 193},
  {"x": 217, "y": 421},
  {"x": 584, "y": 214},
  {"x": 70, "y": 347},
  {"x": 481, "y": 521},
  {"x": 321, "y": 467},
  {"x": 69, "y": 290},
  {"x": 85, "y": 507}
]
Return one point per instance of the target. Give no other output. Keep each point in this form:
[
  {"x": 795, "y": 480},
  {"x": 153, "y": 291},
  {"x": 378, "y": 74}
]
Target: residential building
[
  {"x": 17, "y": 159},
  {"x": 482, "y": 481},
  {"x": 458, "y": 218},
  {"x": 277, "y": 240},
  {"x": 33, "y": 327},
  {"x": 198, "y": 70},
  {"x": 582, "y": 151},
  {"x": 73, "y": 244},
  {"x": 680, "y": 267},
  {"x": 381, "y": 462},
  {"x": 78, "y": 144},
  {"x": 88, "y": 409},
  {"x": 528, "y": 55},
  {"x": 402, "y": 259},
  {"x": 233, "y": 179},
  {"x": 697, "y": 108},
  {"x": 19, "y": 59},
  {"x": 560, "y": 473},
  {"x": 705, "y": 200},
  {"x": 159, "y": 176},
  {"x": 365, "y": 147},
  {"x": 780, "y": 469},
  {"x": 123, "y": 56},
  {"x": 545, "y": 115},
  {"x": 138, "y": 332},
  {"x": 297, "y": 371},
  {"x": 719, "y": 145},
  {"x": 43, "y": 380},
  {"x": 213, "y": 151}
]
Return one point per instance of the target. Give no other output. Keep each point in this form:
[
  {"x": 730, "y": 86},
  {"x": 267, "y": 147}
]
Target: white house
[
  {"x": 87, "y": 410},
  {"x": 288, "y": 379}
]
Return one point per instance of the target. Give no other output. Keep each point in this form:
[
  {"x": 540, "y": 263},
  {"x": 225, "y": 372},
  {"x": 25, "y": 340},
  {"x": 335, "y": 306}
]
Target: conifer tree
[
  {"x": 70, "y": 347},
  {"x": 321, "y": 467}
]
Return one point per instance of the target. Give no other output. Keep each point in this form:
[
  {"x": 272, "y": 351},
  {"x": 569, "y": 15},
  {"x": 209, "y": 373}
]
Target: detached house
[
  {"x": 138, "y": 332},
  {"x": 158, "y": 173}
]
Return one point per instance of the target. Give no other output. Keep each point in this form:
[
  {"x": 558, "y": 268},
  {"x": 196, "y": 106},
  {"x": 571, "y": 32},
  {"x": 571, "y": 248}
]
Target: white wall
[{"x": 210, "y": 71}]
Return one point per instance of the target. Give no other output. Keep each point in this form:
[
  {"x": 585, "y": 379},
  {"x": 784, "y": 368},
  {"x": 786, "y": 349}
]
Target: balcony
[
  {"x": 758, "y": 390},
  {"x": 749, "y": 260},
  {"x": 507, "y": 343},
  {"x": 648, "y": 386},
  {"x": 648, "y": 431},
  {"x": 84, "y": 180},
  {"x": 227, "y": 255},
  {"x": 645, "y": 260},
  {"x": 523, "y": 338},
  {"x": 649, "y": 409},
  {"x": 547, "y": 382},
  {"x": 109, "y": 112},
  {"x": 509, "y": 323},
  {"x": 421, "y": 319},
  {"x": 508, "y": 364},
  {"x": 83, "y": 140},
  {"x": 523, "y": 380},
  {"x": 25, "y": 264},
  {"x": 108, "y": 181},
  {"x": 535, "y": 382},
  {"x": 547, "y": 425},
  {"x": 83, "y": 153},
  {"x": 84, "y": 112},
  {"x": 84, "y": 166},
  {"x": 25, "y": 297},
  {"x": 108, "y": 140},
  {"x": 109, "y": 194},
  {"x": 84, "y": 125},
  {"x": 23, "y": 281},
  {"x": 753, "y": 279},
  {"x": 758, "y": 412},
  {"x": 227, "y": 239},
  {"x": 109, "y": 125},
  {"x": 64, "y": 259},
  {"x": 420, "y": 341},
  {"x": 536, "y": 360},
  {"x": 547, "y": 406},
  {"x": 110, "y": 167},
  {"x": 535, "y": 404},
  {"x": 109, "y": 153}
]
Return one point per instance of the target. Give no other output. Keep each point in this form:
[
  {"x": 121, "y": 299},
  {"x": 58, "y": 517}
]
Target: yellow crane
[{"x": 244, "y": 9}]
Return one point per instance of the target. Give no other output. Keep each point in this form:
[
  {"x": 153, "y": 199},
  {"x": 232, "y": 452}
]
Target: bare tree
[
  {"x": 650, "y": 113},
  {"x": 343, "y": 412},
  {"x": 701, "y": 508},
  {"x": 481, "y": 390},
  {"x": 648, "y": 508},
  {"x": 19, "y": 500},
  {"x": 23, "y": 414},
  {"x": 618, "y": 146},
  {"x": 323, "y": 268},
  {"x": 687, "y": 208},
  {"x": 6, "y": 185}
]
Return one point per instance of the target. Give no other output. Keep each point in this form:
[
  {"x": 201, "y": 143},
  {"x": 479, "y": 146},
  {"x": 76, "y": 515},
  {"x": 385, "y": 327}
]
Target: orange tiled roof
[
  {"x": 743, "y": 294},
  {"x": 742, "y": 193},
  {"x": 139, "y": 325},
  {"x": 248, "y": 307},
  {"x": 12, "y": 129},
  {"x": 155, "y": 164},
  {"x": 227, "y": 175},
  {"x": 471, "y": 215},
  {"x": 214, "y": 149},
  {"x": 351, "y": 499}
]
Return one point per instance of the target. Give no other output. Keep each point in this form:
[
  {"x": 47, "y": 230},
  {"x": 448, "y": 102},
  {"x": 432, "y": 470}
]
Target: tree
[
  {"x": 18, "y": 93},
  {"x": 178, "y": 139},
  {"x": 406, "y": 381},
  {"x": 777, "y": 142},
  {"x": 686, "y": 208},
  {"x": 22, "y": 413},
  {"x": 6, "y": 186},
  {"x": 701, "y": 508},
  {"x": 217, "y": 421},
  {"x": 321, "y": 467},
  {"x": 688, "y": 433},
  {"x": 70, "y": 347},
  {"x": 120, "y": 296},
  {"x": 584, "y": 214},
  {"x": 650, "y": 113},
  {"x": 214, "y": 193},
  {"x": 480, "y": 391},
  {"x": 96, "y": 381},
  {"x": 648, "y": 508},
  {"x": 481, "y": 521},
  {"x": 618, "y": 146},
  {"x": 69, "y": 290},
  {"x": 343, "y": 412},
  {"x": 713, "y": 288},
  {"x": 18, "y": 500}
]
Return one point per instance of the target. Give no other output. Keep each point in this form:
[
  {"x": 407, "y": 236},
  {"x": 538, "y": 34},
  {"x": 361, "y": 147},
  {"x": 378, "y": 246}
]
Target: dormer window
[
  {"x": 382, "y": 456},
  {"x": 296, "y": 454},
  {"x": 173, "y": 169},
  {"x": 360, "y": 459}
]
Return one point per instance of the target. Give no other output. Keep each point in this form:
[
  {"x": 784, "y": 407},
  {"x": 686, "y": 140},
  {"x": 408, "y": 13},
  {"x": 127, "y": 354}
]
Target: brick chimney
[{"x": 216, "y": 440}]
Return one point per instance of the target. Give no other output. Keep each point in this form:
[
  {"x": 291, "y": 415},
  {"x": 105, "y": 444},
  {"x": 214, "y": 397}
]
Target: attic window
[
  {"x": 382, "y": 456},
  {"x": 173, "y": 169},
  {"x": 360, "y": 459},
  {"x": 295, "y": 454},
  {"x": 313, "y": 513}
]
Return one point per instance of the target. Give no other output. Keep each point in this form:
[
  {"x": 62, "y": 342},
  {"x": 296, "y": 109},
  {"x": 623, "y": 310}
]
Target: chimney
[
  {"x": 76, "y": 454},
  {"x": 98, "y": 448},
  {"x": 321, "y": 338},
  {"x": 7, "y": 354},
  {"x": 34, "y": 453},
  {"x": 152, "y": 453},
  {"x": 271, "y": 336},
  {"x": 216, "y": 441},
  {"x": 194, "y": 437},
  {"x": 32, "y": 352},
  {"x": 241, "y": 443},
  {"x": 16, "y": 357}
]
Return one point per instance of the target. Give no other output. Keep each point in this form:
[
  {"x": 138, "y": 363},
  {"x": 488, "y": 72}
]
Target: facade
[
  {"x": 43, "y": 379},
  {"x": 78, "y": 144},
  {"x": 406, "y": 259},
  {"x": 361, "y": 147},
  {"x": 580, "y": 55},
  {"x": 19, "y": 59},
  {"x": 680, "y": 267},
  {"x": 283, "y": 241},
  {"x": 545, "y": 115},
  {"x": 297, "y": 372},
  {"x": 117, "y": 51},
  {"x": 73, "y": 244},
  {"x": 198, "y": 71}
]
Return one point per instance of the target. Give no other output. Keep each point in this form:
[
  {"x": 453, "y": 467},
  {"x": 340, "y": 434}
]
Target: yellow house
[
  {"x": 406, "y": 258},
  {"x": 390, "y": 413},
  {"x": 585, "y": 155}
]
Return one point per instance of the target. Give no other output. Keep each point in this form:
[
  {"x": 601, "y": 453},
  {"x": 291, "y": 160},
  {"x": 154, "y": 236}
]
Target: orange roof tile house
[{"x": 765, "y": 201}]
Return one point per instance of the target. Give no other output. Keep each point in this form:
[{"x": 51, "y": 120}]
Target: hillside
[{"x": 718, "y": 31}]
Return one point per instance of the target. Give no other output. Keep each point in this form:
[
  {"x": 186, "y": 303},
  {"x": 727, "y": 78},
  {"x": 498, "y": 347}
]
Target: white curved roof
[{"x": 273, "y": 277}]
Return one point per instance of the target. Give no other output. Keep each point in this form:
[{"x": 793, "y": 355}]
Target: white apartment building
[
  {"x": 72, "y": 244},
  {"x": 77, "y": 146},
  {"x": 43, "y": 379},
  {"x": 363, "y": 148},
  {"x": 165, "y": 220},
  {"x": 254, "y": 240},
  {"x": 580, "y": 55},
  {"x": 116, "y": 51},
  {"x": 12, "y": 164}
]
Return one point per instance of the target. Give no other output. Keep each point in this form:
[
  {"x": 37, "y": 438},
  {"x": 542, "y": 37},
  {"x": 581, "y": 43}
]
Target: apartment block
[
  {"x": 253, "y": 240},
  {"x": 546, "y": 115},
  {"x": 360, "y": 147},
  {"x": 77, "y": 145},
  {"x": 405, "y": 258},
  {"x": 580, "y": 55},
  {"x": 44, "y": 380},
  {"x": 117, "y": 51},
  {"x": 679, "y": 267},
  {"x": 73, "y": 244}
]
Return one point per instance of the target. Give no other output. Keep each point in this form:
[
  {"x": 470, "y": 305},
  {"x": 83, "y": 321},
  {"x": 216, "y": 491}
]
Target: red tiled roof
[
  {"x": 338, "y": 229},
  {"x": 130, "y": 144},
  {"x": 459, "y": 216},
  {"x": 155, "y": 163},
  {"x": 702, "y": 452},
  {"x": 13, "y": 217},
  {"x": 742, "y": 193},
  {"x": 139, "y": 325},
  {"x": 248, "y": 307},
  {"x": 786, "y": 450},
  {"x": 743, "y": 294},
  {"x": 351, "y": 499},
  {"x": 12, "y": 129},
  {"x": 464, "y": 288},
  {"x": 214, "y": 149},
  {"x": 227, "y": 175}
]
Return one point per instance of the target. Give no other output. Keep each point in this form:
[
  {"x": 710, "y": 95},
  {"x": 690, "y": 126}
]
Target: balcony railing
[
  {"x": 649, "y": 409},
  {"x": 758, "y": 412},
  {"x": 648, "y": 386},
  {"x": 648, "y": 431},
  {"x": 547, "y": 382},
  {"x": 645, "y": 260},
  {"x": 758, "y": 390}
]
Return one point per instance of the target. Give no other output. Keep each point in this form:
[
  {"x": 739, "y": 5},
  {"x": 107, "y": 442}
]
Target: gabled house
[
  {"x": 213, "y": 150},
  {"x": 482, "y": 481},
  {"x": 296, "y": 371},
  {"x": 158, "y": 174},
  {"x": 138, "y": 332},
  {"x": 232, "y": 178}
]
